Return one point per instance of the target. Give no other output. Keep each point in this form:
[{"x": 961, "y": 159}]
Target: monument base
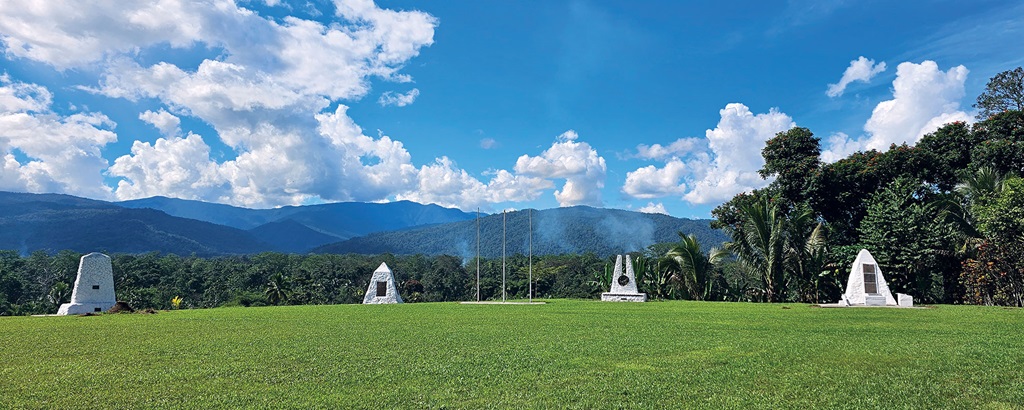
[
  {"x": 623, "y": 297},
  {"x": 83, "y": 308}
]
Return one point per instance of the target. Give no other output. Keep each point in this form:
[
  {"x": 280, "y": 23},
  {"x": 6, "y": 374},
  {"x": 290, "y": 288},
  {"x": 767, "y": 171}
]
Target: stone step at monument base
[
  {"x": 83, "y": 308},
  {"x": 623, "y": 297}
]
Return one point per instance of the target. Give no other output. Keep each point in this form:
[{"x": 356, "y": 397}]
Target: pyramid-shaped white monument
[
  {"x": 382, "y": 287},
  {"x": 866, "y": 285},
  {"x": 623, "y": 284},
  {"x": 94, "y": 286}
]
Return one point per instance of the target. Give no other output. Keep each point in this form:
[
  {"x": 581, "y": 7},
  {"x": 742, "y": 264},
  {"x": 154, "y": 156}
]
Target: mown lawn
[{"x": 566, "y": 354}]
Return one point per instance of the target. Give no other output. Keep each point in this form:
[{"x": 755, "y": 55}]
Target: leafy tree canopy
[{"x": 1004, "y": 92}]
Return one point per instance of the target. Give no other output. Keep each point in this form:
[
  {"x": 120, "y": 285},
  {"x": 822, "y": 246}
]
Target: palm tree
[
  {"x": 661, "y": 278},
  {"x": 58, "y": 293},
  {"x": 973, "y": 189},
  {"x": 760, "y": 243},
  {"x": 602, "y": 280},
  {"x": 692, "y": 268},
  {"x": 277, "y": 289},
  {"x": 983, "y": 182},
  {"x": 809, "y": 257}
]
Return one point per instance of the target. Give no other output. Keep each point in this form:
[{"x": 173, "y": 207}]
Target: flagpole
[
  {"x": 531, "y": 255},
  {"x": 503, "y": 255},
  {"x": 478, "y": 254}
]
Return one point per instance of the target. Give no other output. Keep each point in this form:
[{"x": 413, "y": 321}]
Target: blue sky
[{"x": 660, "y": 106}]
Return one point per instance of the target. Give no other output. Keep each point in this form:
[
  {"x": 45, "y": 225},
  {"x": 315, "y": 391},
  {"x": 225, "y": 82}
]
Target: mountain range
[
  {"x": 575, "y": 229},
  {"x": 53, "y": 222}
]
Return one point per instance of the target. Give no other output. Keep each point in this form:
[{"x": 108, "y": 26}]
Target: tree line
[
  {"x": 944, "y": 218},
  {"x": 40, "y": 282}
]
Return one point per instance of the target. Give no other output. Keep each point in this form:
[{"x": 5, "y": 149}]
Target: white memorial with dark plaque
[
  {"x": 94, "y": 286},
  {"x": 623, "y": 284},
  {"x": 866, "y": 286},
  {"x": 382, "y": 287}
]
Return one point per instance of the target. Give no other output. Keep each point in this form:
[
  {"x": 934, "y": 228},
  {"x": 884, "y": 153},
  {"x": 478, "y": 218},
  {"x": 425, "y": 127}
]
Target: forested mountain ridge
[
  {"x": 51, "y": 222},
  {"x": 341, "y": 220},
  {"x": 577, "y": 229}
]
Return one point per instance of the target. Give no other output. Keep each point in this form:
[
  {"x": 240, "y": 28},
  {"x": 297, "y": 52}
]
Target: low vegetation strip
[{"x": 565, "y": 354}]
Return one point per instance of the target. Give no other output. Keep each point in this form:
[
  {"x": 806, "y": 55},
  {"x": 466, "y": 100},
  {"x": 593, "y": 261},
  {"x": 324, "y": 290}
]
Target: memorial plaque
[
  {"x": 870, "y": 283},
  {"x": 382, "y": 288}
]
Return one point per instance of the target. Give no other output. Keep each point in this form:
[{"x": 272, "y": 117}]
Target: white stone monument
[
  {"x": 382, "y": 287},
  {"x": 94, "y": 286},
  {"x": 623, "y": 284},
  {"x": 866, "y": 285}
]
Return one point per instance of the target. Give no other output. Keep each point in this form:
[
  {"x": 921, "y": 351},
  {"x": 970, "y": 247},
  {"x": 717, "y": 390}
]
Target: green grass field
[{"x": 566, "y": 354}]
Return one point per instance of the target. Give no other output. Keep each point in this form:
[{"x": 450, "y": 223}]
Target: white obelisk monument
[
  {"x": 623, "y": 284},
  {"x": 94, "y": 286}
]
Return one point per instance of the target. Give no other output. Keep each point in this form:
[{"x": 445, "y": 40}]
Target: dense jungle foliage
[
  {"x": 944, "y": 218},
  {"x": 39, "y": 283}
]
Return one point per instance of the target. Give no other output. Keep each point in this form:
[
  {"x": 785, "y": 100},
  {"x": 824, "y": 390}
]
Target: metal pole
[
  {"x": 478, "y": 254},
  {"x": 503, "y": 255},
  {"x": 531, "y": 255}
]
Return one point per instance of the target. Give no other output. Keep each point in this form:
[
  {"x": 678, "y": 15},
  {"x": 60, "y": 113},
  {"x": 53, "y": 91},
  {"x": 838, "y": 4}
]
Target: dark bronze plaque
[{"x": 382, "y": 288}]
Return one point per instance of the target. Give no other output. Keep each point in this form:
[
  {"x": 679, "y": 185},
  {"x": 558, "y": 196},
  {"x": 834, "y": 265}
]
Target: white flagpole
[
  {"x": 502, "y": 255},
  {"x": 478, "y": 254},
  {"x": 531, "y": 255}
]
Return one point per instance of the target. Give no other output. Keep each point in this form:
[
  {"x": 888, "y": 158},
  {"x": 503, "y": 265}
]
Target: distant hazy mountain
[
  {"x": 30, "y": 222},
  {"x": 338, "y": 221},
  {"x": 290, "y": 236},
  {"x": 562, "y": 230},
  {"x": 54, "y": 222}
]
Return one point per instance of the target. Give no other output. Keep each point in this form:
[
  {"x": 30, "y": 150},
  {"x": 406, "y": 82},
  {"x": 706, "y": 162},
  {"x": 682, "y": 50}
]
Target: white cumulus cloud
[
  {"x": 443, "y": 183},
  {"x": 736, "y": 145},
  {"x": 167, "y": 123},
  {"x": 861, "y": 69},
  {"x": 170, "y": 165},
  {"x": 727, "y": 166},
  {"x": 680, "y": 147},
  {"x": 59, "y": 153},
  {"x": 655, "y": 182},
  {"x": 398, "y": 100},
  {"x": 576, "y": 162},
  {"x": 264, "y": 90},
  {"x": 654, "y": 208},
  {"x": 924, "y": 99},
  {"x": 568, "y": 159}
]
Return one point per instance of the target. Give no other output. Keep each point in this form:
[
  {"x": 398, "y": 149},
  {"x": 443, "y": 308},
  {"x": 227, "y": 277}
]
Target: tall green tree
[
  {"x": 946, "y": 152},
  {"x": 1004, "y": 92},
  {"x": 905, "y": 235},
  {"x": 792, "y": 157},
  {"x": 1000, "y": 143},
  {"x": 839, "y": 194},
  {"x": 995, "y": 274}
]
